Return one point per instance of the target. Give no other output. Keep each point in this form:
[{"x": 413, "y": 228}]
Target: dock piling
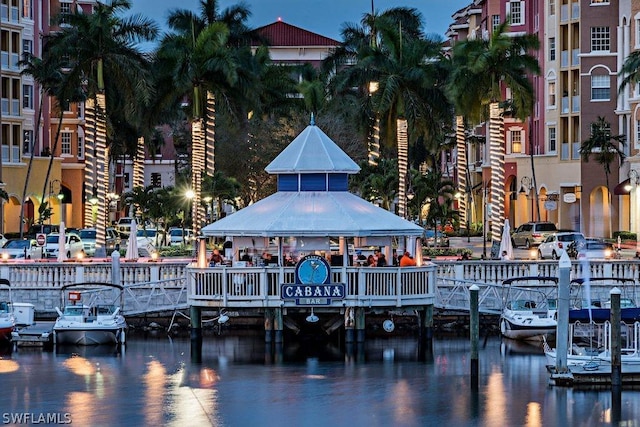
[{"x": 474, "y": 330}]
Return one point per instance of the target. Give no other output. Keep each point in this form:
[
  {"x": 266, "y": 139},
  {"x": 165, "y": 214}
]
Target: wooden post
[
  {"x": 562, "y": 330},
  {"x": 616, "y": 339},
  {"x": 196, "y": 334},
  {"x": 278, "y": 325},
  {"x": 474, "y": 330},
  {"x": 268, "y": 325},
  {"x": 360, "y": 325},
  {"x": 349, "y": 325}
]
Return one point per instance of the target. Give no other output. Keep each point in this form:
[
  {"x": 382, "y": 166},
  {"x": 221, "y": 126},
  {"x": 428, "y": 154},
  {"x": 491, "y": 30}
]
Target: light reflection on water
[{"x": 238, "y": 383}]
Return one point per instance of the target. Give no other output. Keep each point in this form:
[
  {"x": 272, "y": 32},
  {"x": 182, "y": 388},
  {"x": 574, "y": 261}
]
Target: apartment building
[{"x": 583, "y": 45}]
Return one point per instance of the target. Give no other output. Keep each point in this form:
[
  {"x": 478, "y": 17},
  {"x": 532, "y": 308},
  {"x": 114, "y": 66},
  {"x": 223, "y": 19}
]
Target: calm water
[{"x": 240, "y": 383}]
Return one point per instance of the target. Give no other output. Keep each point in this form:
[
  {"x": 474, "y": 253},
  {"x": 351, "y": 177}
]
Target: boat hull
[
  {"x": 528, "y": 329},
  {"x": 5, "y": 332},
  {"x": 109, "y": 331},
  {"x": 598, "y": 315}
]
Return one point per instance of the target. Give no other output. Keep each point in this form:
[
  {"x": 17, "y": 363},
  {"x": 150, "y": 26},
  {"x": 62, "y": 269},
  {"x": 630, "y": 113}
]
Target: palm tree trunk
[
  {"x": 36, "y": 138},
  {"x": 138, "y": 165},
  {"x": 89, "y": 163},
  {"x": 403, "y": 160},
  {"x": 533, "y": 173},
  {"x": 374, "y": 142},
  {"x": 102, "y": 172},
  {"x": 52, "y": 156},
  {"x": 496, "y": 156},
  {"x": 197, "y": 168},
  {"x": 210, "y": 131},
  {"x": 462, "y": 164}
]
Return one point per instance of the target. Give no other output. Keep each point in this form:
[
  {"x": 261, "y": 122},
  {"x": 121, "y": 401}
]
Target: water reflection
[{"x": 240, "y": 381}]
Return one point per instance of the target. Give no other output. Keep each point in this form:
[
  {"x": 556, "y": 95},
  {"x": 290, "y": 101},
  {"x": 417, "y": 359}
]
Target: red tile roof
[{"x": 280, "y": 33}]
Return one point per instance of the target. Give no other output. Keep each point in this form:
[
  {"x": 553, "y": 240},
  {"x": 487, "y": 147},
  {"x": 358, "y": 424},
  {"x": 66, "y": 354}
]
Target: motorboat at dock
[
  {"x": 88, "y": 318},
  {"x": 526, "y": 315}
]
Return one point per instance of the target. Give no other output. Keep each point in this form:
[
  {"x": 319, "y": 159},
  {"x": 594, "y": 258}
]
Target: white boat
[
  {"x": 591, "y": 357},
  {"x": 88, "y": 318},
  {"x": 7, "y": 319},
  {"x": 527, "y": 314}
]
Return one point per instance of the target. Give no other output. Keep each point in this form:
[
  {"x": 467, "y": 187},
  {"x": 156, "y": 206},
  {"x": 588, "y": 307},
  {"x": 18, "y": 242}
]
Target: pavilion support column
[
  {"x": 196, "y": 334},
  {"x": 278, "y": 325},
  {"x": 360, "y": 324},
  {"x": 349, "y": 324},
  {"x": 268, "y": 325}
]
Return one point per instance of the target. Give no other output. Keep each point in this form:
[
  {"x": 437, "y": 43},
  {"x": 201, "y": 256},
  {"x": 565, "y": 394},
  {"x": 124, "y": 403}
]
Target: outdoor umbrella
[
  {"x": 62, "y": 247},
  {"x": 505, "y": 242},
  {"x": 132, "y": 242}
]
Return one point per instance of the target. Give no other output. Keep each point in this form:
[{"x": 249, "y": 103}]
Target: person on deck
[
  {"x": 407, "y": 260},
  {"x": 216, "y": 258}
]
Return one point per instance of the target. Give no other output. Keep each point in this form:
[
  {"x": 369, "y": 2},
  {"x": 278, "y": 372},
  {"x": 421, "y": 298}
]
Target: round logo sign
[
  {"x": 569, "y": 198},
  {"x": 41, "y": 239}
]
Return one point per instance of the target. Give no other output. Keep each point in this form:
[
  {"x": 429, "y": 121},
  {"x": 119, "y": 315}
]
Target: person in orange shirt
[{"x": 407, "y": 260}]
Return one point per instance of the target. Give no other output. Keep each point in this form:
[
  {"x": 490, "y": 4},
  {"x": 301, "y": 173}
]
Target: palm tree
[
  {"x": 52, "y": 80},
  {"x": 480, "y": 69},
  {"x": 409, "y": 98},
  {"x": 358, "y": 42},
  {"x": 604, "y": 147},
  {"x": 99, "y": 47}
]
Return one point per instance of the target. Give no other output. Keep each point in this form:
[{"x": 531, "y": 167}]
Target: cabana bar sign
[{"x": 313, "y": 283}]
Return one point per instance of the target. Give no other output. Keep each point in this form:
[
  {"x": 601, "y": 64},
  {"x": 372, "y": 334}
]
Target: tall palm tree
[
  {"x": 99, "y": 47},
  {"x": 480, "y": 70},
  {"x": 358, "y": 41},
  {"x": 49, "y": 75},
  {"x": 409, "y": 98},
  {"x": 604, "y": 148}
]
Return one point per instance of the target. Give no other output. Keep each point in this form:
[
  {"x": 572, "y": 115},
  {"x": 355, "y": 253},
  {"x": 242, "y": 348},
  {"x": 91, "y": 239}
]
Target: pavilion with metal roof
[{"x": 313, "y": 201}]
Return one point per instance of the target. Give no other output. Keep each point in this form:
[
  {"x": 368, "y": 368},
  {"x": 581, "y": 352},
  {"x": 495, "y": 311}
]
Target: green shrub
[{"x": 625, "y": 235}]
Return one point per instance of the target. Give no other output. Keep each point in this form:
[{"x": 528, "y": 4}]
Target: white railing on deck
[{"x": 260, "y": 286}]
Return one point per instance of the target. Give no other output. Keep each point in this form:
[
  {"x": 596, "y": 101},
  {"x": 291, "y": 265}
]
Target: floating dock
[{"x": 37, "y": 334}]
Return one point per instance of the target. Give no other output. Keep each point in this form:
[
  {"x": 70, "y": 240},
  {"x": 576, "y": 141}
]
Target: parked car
[
  {"x": 21, "y": 249},
  {"x": 88, "y": 236},
  {"x": 556, "y": 244},
  {"x": 591, "y": 249},
  {"x": 3, "y": 240},
  {"x": 532, "y": 233},
  {"x": 179, "y": 236},
  {"x": 432, "y": 239},
  {"x": 73, "y": 245}
]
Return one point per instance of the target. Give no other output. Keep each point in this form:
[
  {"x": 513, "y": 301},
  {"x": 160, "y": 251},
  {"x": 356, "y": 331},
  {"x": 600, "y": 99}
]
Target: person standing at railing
[
  {"x": 407, "y": 260},
  {"x": 216, "y": 258}
]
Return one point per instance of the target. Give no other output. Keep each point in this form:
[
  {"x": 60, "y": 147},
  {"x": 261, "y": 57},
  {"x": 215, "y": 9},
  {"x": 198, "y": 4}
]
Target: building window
[
  {"x": 552, "y": 7},
  {"x": 515, "y": 11},
  {"x": 27, "y": 141},
  {"x": 65, "y": 11},
  {"x": 27, "y": 96},
  {"x": 600, "y": 39},
  {"x": 637, "y": 28},
  {"x": 80, "y": 147},
  {"x": 156, "y": 180},
  {"x": 27, "y": 46},
  {"x": 600, "y": 87},
  {"x": 516, "y": 141},
  {"x": 27, "y": 9},
  {"x": 552, "y": 140},
  {"x": 552, "y": 94},
  {"x": 495, "y": 21},
  {"x": 552, "y": 48},
  {"x": 65, "y": 143}
]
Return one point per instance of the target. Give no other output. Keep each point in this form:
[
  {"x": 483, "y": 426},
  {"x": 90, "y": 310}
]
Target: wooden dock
[{"x": 578, "y": 376}]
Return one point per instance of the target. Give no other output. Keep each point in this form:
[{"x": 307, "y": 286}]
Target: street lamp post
[{"x": 634, "y": 180}]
